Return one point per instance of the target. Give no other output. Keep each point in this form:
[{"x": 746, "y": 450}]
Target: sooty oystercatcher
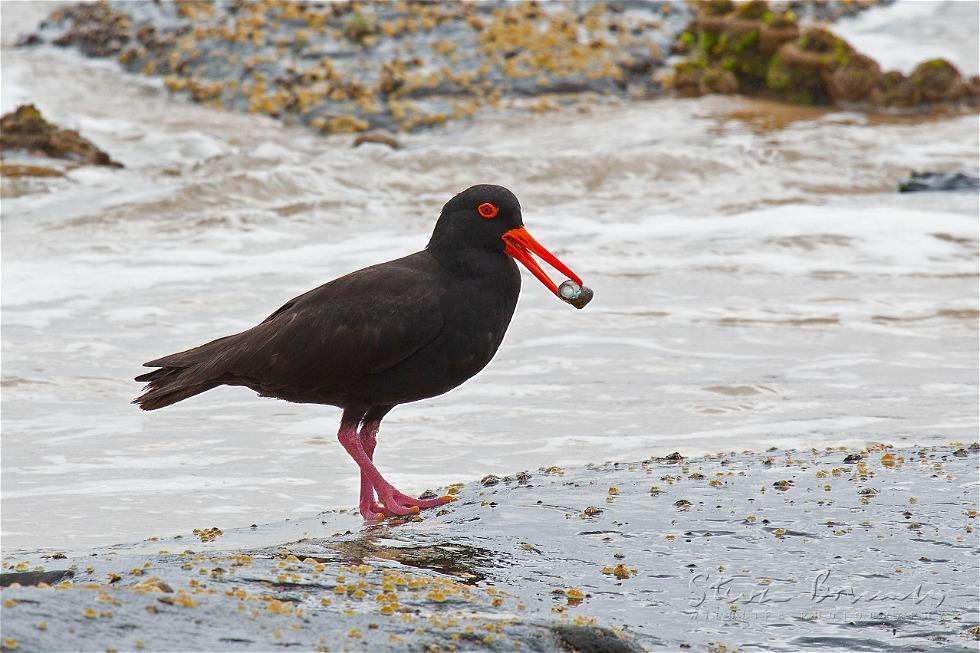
[{"x": 389, "y": 334}]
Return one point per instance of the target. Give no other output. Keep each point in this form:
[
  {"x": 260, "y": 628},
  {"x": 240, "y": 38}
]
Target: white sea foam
[{"x": 904, "y": 34}]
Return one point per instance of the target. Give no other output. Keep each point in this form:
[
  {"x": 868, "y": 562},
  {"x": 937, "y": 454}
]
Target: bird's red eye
[{"x": 487, "y": 210}]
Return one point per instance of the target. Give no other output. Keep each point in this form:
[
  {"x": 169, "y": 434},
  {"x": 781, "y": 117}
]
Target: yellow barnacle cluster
[
  {"x": 388, "y": 601},
  {"x": 436, "y": 594},
  {"x": 103, "y": 597},
  {"x": 353, "y": 589},
  {"x": 181, "y": 599},
  {"x": 891, "y": 461},
  {"x": 526, "y": 42},
  {"x": 208, "y": 534},
  {"x": 620, "y": 571},
  {"x": 583, "y": 620},
  {"x": 279, "y": 607},
  {"x": 340, "y": 124}
]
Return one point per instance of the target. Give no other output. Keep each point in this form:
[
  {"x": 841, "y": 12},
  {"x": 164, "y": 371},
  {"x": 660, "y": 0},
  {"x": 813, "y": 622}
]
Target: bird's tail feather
[
  {"x": 154, "y": 398},
  {"x": 181, "y": 375}
]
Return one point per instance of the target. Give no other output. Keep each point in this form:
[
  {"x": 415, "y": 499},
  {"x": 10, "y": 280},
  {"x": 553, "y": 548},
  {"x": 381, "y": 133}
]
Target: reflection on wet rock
[
  {"x": 27, "y": 578},
  {"x": 462, "y": 562},
  {"x": 937, "y": 181}
]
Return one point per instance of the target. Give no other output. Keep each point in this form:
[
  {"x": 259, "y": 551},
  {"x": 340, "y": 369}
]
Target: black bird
[{"x": 392, "y": 333}]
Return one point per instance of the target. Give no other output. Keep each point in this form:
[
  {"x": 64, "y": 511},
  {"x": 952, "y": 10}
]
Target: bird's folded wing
[{"x": 339, "y": 333}]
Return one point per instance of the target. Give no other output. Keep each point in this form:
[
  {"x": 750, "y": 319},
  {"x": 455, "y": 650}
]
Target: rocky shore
[
  {"x": 349, "y": 67},
  {"x": 30, "y": 146},
  {"x": 750, "y": 49},
  {"x": 780, "y": 550},
  {"x": 398, "y": 66}
]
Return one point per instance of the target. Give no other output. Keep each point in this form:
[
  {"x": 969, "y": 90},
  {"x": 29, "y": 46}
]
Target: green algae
[
  {"x": 769, "y": 54},
  {"x": 795, "y": 82}
]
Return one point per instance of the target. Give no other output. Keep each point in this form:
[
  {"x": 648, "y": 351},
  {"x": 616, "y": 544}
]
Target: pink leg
[
  {"x": 370, "y": 509},
  {"x": 358, "y": 445}
]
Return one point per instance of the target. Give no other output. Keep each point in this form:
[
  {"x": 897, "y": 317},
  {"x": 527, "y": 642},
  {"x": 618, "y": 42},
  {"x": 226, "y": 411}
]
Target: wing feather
[{"x": 331, "y": 337}]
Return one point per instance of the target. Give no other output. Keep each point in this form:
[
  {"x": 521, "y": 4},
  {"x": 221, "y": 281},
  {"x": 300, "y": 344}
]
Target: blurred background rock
[{"x": 348, "y": 66}]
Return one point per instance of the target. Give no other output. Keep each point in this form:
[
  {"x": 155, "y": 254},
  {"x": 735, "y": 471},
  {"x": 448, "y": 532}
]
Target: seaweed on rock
[
  {"x": 352, "y": 67},
  {"x": 747, "y": 48},
  {"x": 26, "y": 130}
]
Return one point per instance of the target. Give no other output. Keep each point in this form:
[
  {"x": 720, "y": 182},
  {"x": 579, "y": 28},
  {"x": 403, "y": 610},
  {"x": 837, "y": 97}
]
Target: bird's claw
[{"x": 397, "y": 504}]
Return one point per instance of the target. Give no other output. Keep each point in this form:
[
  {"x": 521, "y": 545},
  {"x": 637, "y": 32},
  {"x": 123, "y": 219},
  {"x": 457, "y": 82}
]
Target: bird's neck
[{"x": 472, "y": 261}]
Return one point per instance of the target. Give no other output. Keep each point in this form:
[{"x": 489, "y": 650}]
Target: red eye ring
[{"x": 487, "y": 210}]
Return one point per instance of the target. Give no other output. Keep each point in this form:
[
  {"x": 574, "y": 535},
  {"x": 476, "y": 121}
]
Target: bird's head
[{"x": 488, "y": 217}]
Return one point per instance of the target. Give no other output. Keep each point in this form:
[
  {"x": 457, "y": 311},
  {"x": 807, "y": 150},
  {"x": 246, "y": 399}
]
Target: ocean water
[{"x": 759, "y": 282}]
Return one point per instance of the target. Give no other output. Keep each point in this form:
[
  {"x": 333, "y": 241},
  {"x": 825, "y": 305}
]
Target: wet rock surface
[
  {"x": 781, "y": 550},
  {"x": 25, "y": 131},
  {"x": 352, "y": 67},
  {"x": 754, "y": 48},
  {"x": 937, "y": 181},
  {"x": 35, "y": 152},
  {"x": 357, "y": 67}
]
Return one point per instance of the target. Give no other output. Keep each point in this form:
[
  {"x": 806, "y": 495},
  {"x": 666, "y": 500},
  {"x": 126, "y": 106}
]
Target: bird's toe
[
  {"x": 394, "y": 505},
  {"x": 432, "y": 503},
  {"x": 372, "y": 511}
]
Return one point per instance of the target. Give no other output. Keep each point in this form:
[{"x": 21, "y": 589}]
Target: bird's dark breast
[{"x": 477, "y": 312}]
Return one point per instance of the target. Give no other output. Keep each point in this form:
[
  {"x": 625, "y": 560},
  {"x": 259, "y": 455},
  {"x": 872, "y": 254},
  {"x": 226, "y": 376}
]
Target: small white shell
[
  {"x": 574, "y": 294},
  {"x": 569, "y": 290}
]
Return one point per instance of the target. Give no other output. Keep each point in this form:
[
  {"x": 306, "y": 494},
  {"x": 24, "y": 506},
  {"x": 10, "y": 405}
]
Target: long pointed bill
[{"x": 520, "y": 245}]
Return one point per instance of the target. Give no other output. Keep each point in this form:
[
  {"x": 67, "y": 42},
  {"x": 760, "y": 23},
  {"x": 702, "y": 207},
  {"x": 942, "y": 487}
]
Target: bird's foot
[
  {"x": 425, "y": 504},
  {"x": 373, "y": 511},
  {"x": 394, "y": 503}
]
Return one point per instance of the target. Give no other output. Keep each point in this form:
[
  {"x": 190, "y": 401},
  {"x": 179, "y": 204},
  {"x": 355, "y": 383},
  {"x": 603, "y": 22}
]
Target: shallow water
[{"x": 758, "y": 282}]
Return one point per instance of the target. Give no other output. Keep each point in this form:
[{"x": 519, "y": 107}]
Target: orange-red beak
[{"x": 520, "y": 244}]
